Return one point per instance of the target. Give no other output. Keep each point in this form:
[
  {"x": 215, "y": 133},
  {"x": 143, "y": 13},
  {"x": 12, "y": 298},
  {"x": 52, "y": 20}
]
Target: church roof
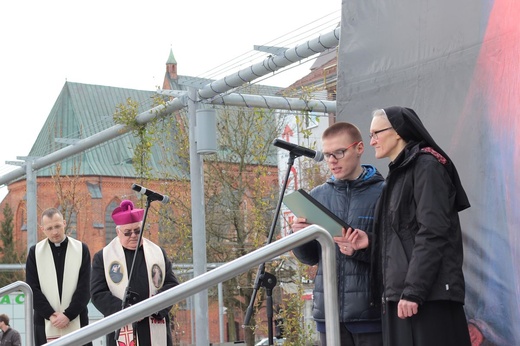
[
  {"x": 82, "y": 110},
  {"x": 171, "y": 58}
]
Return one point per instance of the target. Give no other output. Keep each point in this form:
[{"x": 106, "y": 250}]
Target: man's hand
[
  {"x": 59, "y": 320},
  {"x": 299, "y": 224}
]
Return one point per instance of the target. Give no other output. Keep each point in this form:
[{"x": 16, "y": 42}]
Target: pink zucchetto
[{"x": 125, "y": 213}]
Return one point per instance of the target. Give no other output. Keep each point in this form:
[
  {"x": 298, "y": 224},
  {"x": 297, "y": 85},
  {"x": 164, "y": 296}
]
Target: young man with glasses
[
  {"x": 351, "y": 193},
  {"x": 152, "y": 274},
  {"x": 58, "y": 272}
]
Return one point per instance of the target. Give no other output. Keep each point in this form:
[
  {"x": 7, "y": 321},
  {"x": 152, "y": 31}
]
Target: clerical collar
[{"x": 61, "y": 242}]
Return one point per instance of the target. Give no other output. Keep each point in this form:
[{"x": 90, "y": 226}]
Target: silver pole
[
  {"x": 32, "y": 206},
  {"x": 198, "y": 224},
  {"x": 221, "y": 312}
]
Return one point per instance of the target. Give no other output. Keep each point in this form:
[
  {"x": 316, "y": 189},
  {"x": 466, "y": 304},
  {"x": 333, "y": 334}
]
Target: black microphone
[
  {"x": 152, "y": 196},
  {"x": 299, "y": 150}
]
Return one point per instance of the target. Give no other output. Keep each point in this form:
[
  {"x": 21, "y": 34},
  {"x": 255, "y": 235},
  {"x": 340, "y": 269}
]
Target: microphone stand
[
  {"x": 263, "y": 278},
  {"x": 129, "y": 295}
]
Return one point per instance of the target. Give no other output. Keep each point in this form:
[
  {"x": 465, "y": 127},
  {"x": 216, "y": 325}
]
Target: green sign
[{"x": 14, "y": 299}]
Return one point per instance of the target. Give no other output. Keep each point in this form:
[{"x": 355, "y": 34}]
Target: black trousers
[{"x": 347, "y": 338}]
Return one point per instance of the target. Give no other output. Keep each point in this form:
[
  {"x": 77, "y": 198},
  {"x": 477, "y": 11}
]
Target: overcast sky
[{"x": 126, "y": 44}]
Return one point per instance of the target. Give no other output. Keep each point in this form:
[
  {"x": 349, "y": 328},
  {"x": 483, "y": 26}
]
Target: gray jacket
[{"x": 10, "y": 338}]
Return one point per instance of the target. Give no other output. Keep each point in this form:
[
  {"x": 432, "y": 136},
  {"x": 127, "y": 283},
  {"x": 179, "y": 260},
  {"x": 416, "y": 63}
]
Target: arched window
[{"x": 21, "y": 217}]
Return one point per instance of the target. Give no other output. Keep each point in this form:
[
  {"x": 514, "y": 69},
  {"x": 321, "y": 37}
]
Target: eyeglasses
[
  {"x": 373, "y": 135},
  {"x": 340, "y": 153},
  {"x": 129, "y": 232}
]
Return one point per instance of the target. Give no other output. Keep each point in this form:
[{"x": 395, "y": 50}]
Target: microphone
[
  {"x": 152, "y": 196},
  {"x": 299, "y": 150}
]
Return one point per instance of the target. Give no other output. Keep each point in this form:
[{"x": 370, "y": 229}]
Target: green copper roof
[
  {"x": 82, "y": 110},
  {"x": 171, "y": 58}
]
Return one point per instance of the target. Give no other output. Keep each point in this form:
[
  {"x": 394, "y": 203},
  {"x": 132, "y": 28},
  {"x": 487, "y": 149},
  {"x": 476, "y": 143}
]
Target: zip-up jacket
[
  {"x": 418, "y": 238},
  {"x": 354, "y": 202}
]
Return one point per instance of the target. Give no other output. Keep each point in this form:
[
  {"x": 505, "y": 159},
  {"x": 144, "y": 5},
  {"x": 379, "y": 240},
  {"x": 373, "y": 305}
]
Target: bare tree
[{"x": 69, "y": 193}]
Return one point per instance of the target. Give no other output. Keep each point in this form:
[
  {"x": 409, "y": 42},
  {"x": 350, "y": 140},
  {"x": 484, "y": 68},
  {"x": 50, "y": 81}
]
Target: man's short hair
[
  {"x": 50, "y": 212},
  {"x": 343, "y": 127},
  {"x": 4, "y": 318}
]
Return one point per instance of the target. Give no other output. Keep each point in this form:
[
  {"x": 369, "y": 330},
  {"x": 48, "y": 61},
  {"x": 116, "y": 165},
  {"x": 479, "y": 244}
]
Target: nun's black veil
[{"x": 408, "y": 125}]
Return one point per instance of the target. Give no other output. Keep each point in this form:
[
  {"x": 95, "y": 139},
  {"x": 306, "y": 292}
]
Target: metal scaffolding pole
[
  {"x": 268, "y": 102},
  {"x": 271, "y": 64},
  {"x": 198, "y": 218},
  {"x": 32, "y": 207}
]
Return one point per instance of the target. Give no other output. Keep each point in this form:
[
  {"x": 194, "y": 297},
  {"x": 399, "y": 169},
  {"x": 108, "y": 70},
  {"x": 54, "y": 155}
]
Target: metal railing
[
  {"x": 223, "y": 273},
  {"x": 28, "y": 304}
]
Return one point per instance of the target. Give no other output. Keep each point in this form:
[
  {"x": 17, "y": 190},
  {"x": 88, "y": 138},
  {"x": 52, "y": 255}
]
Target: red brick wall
[{"x": 91, "y": 210}]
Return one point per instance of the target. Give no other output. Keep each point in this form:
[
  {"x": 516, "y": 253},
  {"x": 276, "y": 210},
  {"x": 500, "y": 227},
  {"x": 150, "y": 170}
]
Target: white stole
[
  {"x": 116, "y": 276},
  {"x": 49, "y": 282}
]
